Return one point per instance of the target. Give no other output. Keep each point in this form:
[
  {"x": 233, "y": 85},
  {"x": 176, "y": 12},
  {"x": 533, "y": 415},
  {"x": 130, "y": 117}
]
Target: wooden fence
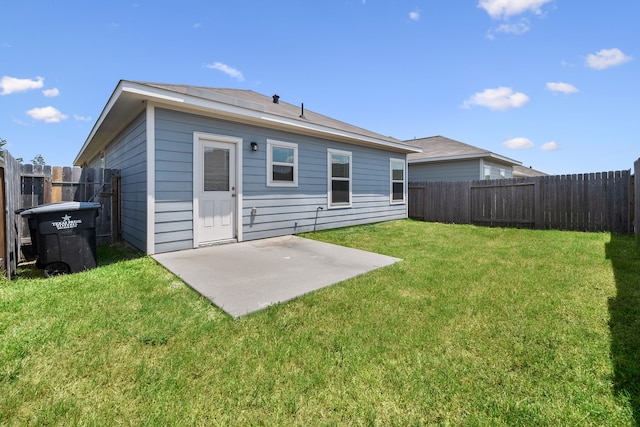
[
  {"x": 9, "y": 221},
  {"x": 26, "y": 186},
  {"x": 636, "y": 199},
  {"x": 582, "y": 202},
  {"x": 49, "y": 184}
]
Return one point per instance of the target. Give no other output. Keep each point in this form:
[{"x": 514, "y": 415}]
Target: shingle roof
[
  {"x": 259, "y": 102},
  {"x": 524, "y": 171},
  {"x": 440, "y": 148}
]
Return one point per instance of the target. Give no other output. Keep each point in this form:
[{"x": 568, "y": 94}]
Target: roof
[
  {"x": 244, "y": 106},
  {"x": 439, "y": 149},
  {"x": 523, "y": 171}
]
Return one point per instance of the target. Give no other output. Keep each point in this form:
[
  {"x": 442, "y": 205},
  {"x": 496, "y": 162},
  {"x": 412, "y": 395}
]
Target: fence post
[
  {"x": 424, "y": 202},
  {"x": 3, "y": 226},
  {"x": 636, "y": 185}
]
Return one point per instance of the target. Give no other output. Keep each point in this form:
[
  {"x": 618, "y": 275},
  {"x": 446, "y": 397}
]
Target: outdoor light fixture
[{"x": 254, "y": 146}]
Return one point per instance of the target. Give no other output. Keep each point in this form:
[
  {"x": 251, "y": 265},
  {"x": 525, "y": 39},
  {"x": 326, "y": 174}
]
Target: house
[
  {"x": 201, "y": 166},
  {"x": 526, "y": 172},
  {"x": 445, "y": 159}
]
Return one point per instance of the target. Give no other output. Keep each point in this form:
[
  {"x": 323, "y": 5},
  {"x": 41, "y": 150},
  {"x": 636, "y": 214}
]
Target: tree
[
  {"x": 3, "y": 142},
  {"x": 38, "y": 160}
]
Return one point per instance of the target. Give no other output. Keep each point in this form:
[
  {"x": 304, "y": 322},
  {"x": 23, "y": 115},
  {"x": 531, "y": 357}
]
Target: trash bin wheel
[{"x": 56, "y": 269}]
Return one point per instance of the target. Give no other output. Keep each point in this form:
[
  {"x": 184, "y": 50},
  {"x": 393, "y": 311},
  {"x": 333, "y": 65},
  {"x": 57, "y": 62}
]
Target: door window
[{"x": 216, "y": 169}]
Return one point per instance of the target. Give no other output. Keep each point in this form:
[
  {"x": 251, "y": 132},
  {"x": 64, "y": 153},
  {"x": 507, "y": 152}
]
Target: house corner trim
[{"x": 151, "y": 178}]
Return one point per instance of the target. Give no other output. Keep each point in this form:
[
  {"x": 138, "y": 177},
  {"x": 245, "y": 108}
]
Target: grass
[{"x": 476, "y": 326}]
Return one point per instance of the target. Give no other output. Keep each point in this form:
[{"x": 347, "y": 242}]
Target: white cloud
[
  {"x": 518, "y": 143},
  {"x": 81, "y": 118},
  {"x": 50, "y": 93},
  {"x": 47, "y": 114},
  {"x": 230, "y": 71},
  {"x": 14, "y": 85},
  {"x": 501, "y": 98},
  {"x": 19, "y": 122},
  {"x": 503, "y": 9},
  {"x": 518, "y": 28},
  {"x": 415, "y": 15},
  {"x": 606, "y": 58},
  {"x": 560, "y": 87},
  {"x": 549, "y": 146}
]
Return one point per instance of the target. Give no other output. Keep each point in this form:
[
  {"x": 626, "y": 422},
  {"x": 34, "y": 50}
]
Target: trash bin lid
[{"x": 59, "y": 207}]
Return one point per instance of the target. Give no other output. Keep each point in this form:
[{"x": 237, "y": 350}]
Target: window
[
  {"x": 216, "y": 169},
  {"x": 487, "y": 172},
  {"x": 282, "y": 164},
  {"x": 397, "y": 181},
  {"x": 339, "y": 167},
  {"x": 503, "y": 173}
]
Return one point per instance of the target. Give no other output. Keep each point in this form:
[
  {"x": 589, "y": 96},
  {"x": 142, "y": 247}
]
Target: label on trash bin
[{"x": 66, "y": 223}]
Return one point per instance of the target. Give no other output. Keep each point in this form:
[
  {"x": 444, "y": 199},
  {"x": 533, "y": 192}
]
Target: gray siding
[
  {"x": 286, "y": 210},
  {"x": 463, "y": 170},
  {"x": 127, "y": 153},
  {"x": 496, "y": 168},
  {"x": 174, "y": 182},
  {"x": 280, "y": 210}
]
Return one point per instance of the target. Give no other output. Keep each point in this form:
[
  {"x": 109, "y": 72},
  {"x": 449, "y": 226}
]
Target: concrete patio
[{"x": 245, "y": 277}]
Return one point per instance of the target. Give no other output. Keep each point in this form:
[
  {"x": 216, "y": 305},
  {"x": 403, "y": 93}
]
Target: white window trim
[
  {"x": 270, "y": 182},
  {"x": 483, "y": 170},
  {"x": 331, "y": 151},
  {"x": 404, "y": 182}
]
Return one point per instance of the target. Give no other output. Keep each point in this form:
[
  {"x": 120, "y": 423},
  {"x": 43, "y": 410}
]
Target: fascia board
[
  {"x": 448, "y": 158},
  {"x": 466, "y": 157},
  {"x": 504, "y": 159},
  {"x": 336, "y": 133},
  {"x": 105, "y": 111}
]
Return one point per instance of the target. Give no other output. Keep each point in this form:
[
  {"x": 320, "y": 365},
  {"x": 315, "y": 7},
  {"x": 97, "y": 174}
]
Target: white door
[{"x": 216, "y": 191}]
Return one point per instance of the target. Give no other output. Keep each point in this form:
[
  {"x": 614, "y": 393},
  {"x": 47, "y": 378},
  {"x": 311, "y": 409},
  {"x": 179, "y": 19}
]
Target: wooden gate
[{"x": 9, "y": 222}]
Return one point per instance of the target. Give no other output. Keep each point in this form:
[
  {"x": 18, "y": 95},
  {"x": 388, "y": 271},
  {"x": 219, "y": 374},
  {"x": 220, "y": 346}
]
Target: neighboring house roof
[
  {"x": 439, "y": 149},
  {"x": 245, "y": 106},
  {"x": 523, "y": 171}
]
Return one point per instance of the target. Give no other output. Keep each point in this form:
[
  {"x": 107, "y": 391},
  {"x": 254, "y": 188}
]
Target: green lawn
[{"x": 477, "y": 326}]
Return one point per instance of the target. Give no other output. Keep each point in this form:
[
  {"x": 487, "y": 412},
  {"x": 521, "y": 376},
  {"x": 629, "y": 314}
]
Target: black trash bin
[{"x": 63, "y": 235}]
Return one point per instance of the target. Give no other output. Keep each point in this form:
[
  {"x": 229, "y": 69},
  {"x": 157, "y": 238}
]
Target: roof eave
[
  {"x": 96, "y": 127},
  {"x": 238, "y": 113},
  {"x": 466, "y": 157}
]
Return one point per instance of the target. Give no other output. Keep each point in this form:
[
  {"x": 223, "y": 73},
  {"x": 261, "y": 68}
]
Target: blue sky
[{"x": 551, "y": 83}]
